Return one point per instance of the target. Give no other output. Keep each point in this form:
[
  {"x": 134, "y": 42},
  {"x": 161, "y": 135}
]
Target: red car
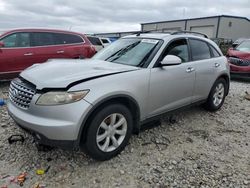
[
  {"x": 22, "y": 48},
  {"x": 239, "y": 59}
]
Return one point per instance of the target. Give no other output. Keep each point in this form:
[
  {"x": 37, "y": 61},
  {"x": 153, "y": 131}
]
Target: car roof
[
  {"x": 38, "y": 30},
  {"x": 167, "y": 36}
]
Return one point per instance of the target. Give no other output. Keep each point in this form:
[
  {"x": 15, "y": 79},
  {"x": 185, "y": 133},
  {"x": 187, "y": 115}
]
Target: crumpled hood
[
  {"x": 60, "y": 73},
  {"x": 239, "y": 54}
]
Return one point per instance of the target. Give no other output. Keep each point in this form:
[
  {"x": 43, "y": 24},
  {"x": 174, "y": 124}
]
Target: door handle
[
  {"x": 216, "y": 65},
  {"x": 60, "y": 52},
  {"x": 189, "y": 69},
  {"x": 28, "y": 54}
]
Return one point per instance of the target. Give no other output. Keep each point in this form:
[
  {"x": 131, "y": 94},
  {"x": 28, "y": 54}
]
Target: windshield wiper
[{"x": 122, "y": 51}]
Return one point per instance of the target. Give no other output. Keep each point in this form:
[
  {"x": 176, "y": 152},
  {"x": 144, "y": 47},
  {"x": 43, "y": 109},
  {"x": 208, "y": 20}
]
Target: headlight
[{"x": 61, "y": 97}]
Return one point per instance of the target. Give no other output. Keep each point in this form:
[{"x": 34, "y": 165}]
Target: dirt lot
[{"x": 201, "y": 149}]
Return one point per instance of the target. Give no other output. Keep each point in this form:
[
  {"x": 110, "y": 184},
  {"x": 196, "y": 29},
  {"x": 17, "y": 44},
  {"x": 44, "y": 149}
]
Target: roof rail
[{"x": 189, "y": 32}]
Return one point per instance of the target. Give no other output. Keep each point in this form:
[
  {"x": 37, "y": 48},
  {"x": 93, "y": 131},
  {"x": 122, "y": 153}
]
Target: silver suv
[{"x": 97, "y": 104}]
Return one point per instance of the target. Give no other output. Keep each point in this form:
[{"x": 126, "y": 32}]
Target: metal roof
[{"x": 178, "y": 20}]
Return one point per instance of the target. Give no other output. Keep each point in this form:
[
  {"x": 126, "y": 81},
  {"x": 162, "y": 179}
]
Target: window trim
[
  {"x": 157, "y": 63},
  {"x": 81, "y": 43}
]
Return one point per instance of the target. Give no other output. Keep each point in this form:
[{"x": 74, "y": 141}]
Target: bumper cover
[{"x": 52, "y": 125}]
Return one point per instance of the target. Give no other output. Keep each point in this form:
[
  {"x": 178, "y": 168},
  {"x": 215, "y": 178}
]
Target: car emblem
[{"x": 15, "y": 92}]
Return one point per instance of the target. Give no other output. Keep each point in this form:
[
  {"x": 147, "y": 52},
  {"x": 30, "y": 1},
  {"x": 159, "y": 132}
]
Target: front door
[{"x": 172, "y": 86}]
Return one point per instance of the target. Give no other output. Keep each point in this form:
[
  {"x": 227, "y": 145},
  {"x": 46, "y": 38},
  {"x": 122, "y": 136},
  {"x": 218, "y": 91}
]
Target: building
[{"x": 223, "y": 26}]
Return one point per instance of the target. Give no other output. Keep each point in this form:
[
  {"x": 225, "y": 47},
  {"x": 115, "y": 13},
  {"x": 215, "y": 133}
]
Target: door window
[
  {"x": 42, "y": 39},
  {"x": 200, "y": 50},
  {"x": 10, "y": 41},
  {"x": 178, "y": 48},
  {"x": 23, "y": 40}
]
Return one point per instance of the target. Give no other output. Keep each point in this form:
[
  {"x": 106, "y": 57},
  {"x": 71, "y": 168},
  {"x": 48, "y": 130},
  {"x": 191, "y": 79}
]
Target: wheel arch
[
  {"x": 126, "y": 100},
  {"x": 227, "y": 79}
]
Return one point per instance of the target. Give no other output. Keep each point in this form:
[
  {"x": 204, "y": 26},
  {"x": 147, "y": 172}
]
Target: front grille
[
  {"x": 21, "y": 93},
  {"x": 239, "y": 62}
]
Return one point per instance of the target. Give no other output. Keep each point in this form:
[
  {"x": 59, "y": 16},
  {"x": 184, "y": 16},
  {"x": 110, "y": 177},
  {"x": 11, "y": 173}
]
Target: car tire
[
  {"x": 216, "y": 96},
  {"x": 108, "y": 132}
]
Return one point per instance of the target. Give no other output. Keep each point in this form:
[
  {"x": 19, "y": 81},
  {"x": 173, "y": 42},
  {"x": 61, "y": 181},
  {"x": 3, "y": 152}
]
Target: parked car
[
  {"x": 105, "y": 41},
  {"x": 239, "y": 59},
  {"x": 98, "y": 104},
  {"x": 237, "y": 42},
  {"x": 96, "y": 42},
  {"x": 22, "y": 48}
]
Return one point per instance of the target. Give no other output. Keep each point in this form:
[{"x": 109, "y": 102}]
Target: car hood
[
  {"x": 62, "y": 73},
  {"x": 239, "y": 54}
]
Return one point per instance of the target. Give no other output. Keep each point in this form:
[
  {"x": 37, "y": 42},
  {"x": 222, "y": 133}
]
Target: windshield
[
  {"x": 244, "y": 46},
  {"x": 130, "y": 51}
]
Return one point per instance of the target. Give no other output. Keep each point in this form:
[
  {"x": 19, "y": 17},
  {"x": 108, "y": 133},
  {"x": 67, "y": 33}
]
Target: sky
[{"x": 100, "y": 16}]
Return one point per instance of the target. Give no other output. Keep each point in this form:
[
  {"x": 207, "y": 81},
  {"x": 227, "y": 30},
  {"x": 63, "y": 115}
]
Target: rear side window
[
  {"x": 199, "y": 49},
  {"x": 61, "y": 38},
  {"x": 95, "y": 40},
  {"x": 215, "y": 53},
  {"x": 42, "y": 39}
]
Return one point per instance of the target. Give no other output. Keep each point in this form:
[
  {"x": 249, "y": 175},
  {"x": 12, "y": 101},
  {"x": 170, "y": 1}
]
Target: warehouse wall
[
  {"x": 210, "y": 23},
  {"x": 234, "y": 28},
  {"x": 164, "y": 26}
]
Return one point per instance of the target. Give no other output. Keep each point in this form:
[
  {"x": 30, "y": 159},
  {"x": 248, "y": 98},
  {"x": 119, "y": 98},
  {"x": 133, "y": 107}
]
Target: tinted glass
[
  {"x": 200, "y": 50},
  {"x": 214, "y": 52},
  {"x": 105, "y": 41},
  {"x": 95, "y": 40},
  {"x": 10, "y": 41},
  {"x": 61, "y": 38},
  {"x": 133, "y": 52},
  {"x": 23, "y": 40},
  {"x": 178, "y": 48},
  {"x": 42, "y": 39}
]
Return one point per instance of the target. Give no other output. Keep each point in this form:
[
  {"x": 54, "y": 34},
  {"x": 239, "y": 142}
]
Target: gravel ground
[{"x": 201, "y": 149}]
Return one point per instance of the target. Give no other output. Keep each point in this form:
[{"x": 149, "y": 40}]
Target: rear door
[
  {"x": 17, "y": 54},
  {"x": 45, "y": 47},
  {"x": 206, "y": 64},
  {"x": 172, "y": 86}
]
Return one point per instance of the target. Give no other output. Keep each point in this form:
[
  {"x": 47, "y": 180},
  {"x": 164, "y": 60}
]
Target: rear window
[
  {"x": 199, "y": 49},
  {"x": 94, "y": 40}
]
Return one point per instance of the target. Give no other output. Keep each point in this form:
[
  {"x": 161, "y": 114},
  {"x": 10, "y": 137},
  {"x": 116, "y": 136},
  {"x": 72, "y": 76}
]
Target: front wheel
[
  {"x": 109, "y": 132},
  {"x": 217, "y": 95}
]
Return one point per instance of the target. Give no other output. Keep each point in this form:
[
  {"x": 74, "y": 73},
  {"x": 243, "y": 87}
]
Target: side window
[
  {"x": 10, "y": 41},
  {"x": 23, "y": 40},
  {"x": 178, "y": 48},
  {"x": 61, "y": 38},
  {"x": 42, "y": 39},
  {"x": 200, "y": 49},
  {"x": 214, "y": 51}
]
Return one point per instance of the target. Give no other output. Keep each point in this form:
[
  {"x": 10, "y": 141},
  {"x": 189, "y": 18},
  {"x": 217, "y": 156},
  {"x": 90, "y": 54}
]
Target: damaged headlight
[{"x": 61, "y": 97}]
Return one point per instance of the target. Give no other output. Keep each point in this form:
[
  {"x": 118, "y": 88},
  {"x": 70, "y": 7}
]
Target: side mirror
[
  {"x": 170, "y": 60},
  {"x": 1, "y": 44}
]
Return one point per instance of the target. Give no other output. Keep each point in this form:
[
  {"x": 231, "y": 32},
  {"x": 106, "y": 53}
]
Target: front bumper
[
  {"x": 240, "y": 70},
  {"x": 51, "y": 125}
]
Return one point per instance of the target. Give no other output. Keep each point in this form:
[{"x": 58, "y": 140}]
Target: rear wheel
[
  {"x": 108, "y": 132},
  {"x": 217, "y": 95}
]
